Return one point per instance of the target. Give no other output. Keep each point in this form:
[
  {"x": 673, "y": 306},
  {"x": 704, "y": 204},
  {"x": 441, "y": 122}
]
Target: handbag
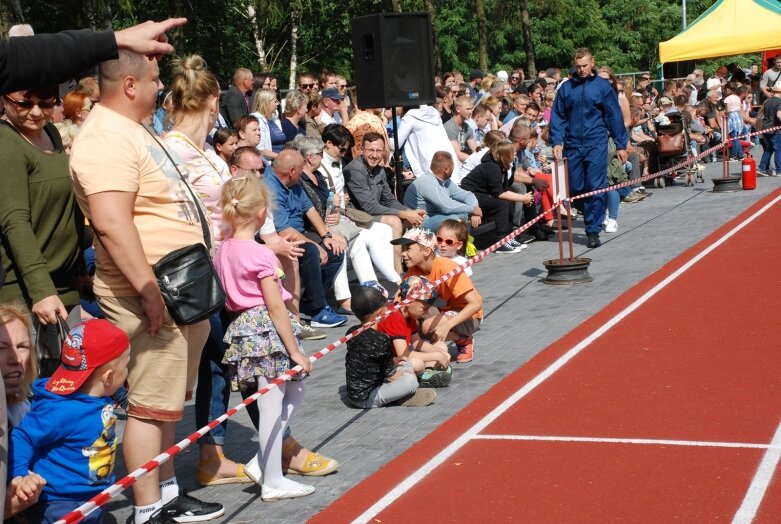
[
  {"x": 48, "y": 346},
  {"x": 191, "y": 289}
]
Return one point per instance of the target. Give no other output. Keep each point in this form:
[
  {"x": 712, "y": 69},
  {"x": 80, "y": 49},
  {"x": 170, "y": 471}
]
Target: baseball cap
[
  {"x": 88, "y": 346},
  {"x": 424, "y": 237},
  {"x": 420, "y": 285},
  {"x": 331, "y": 92},
  {"x": 502, "y": 75},
  {"x": 366, "y": 300},
  {"x": 665, "y": 101},
  {"x": 476, "y": 73}
]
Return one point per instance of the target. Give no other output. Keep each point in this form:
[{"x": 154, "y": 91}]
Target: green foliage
[{"x": 622, "y": 33}]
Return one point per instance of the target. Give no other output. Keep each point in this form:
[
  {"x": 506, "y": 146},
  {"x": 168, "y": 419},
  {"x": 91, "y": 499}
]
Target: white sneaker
[{"x": 611, "y": 226}]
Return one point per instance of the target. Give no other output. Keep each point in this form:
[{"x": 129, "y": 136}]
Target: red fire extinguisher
[{"x": 749, "y": 173}]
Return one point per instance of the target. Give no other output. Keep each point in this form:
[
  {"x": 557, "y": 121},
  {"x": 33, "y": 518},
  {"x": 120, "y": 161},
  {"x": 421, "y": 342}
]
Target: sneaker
[
  {"x": 611, "y": 226},
  {"x": 186, "y": 508},
  {"x": 514, "y": 243},
  {"x": 593, "y": 240},
  {"x": 761, "y": 172},
  {"x": 524, "y": 238},
  {"x": 435, "y": 378},
  {"x": 421, "y": 397},
  {"x": 700, "y": 166},
  {"x": 507, "y": 248},
  {"x": 631, "y": 198},
  {"x": 465, "y": 348},
  {"x": 327, "y": 319},
  {"x": 160, "y": 517},
  {"x": 310, "y": 333}
]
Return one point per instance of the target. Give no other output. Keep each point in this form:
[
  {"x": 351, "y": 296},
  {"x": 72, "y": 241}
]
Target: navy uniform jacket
[{"x": 585, "y": 111}]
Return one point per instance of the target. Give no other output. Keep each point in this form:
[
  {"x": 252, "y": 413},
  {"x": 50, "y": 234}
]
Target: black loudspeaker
[{"x": 393, "y": 60}]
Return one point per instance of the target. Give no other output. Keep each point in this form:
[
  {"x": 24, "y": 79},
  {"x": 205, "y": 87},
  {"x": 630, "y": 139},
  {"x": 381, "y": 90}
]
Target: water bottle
[{"x": 330, "y": 203}]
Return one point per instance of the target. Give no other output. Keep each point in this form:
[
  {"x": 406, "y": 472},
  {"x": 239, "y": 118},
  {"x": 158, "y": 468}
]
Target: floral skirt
[{"x": 255, "y": 349}]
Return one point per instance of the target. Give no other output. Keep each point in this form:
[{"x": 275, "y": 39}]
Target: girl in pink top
[{"x": 262, "y": 342}]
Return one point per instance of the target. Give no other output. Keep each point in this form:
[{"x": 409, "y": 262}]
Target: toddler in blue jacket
[{"x": 69, "y": 436}]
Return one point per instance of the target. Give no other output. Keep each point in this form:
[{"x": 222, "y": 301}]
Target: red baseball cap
[{"x": 88, "y": 346}]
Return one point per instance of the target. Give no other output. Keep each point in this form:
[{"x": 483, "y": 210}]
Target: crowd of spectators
[{"x": 96, "y": 177}]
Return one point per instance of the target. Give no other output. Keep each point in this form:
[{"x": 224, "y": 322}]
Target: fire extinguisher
[{"x": 749, "y": 173}]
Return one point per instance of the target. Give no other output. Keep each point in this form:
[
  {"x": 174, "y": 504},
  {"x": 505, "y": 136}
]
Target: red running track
[{"x": 664, "y": 406}]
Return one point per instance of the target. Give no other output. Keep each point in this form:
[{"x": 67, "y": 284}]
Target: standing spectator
[
  {"x": 236, "y": 101},
  {"x": 771, "y": 142},
  {"x": 307, "y": 83},
  {"x": 140, "y": 213},
  {"x": 76, "y": 107},
  {"x": 422, "y": 131},
  {"x": 584, "y": 112},
  {"x": 41, "y": 223},
  {"x": 475, "y": 79},
  {"x": 771, "y": 77},
  {"x": 329, "y": 107}
]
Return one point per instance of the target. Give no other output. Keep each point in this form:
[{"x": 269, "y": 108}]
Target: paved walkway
[{"x": 523, "y": 316}]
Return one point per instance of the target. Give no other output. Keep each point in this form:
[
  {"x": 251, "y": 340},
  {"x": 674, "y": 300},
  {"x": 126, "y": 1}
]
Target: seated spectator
[
  {"x": 489, "y": 140},
  {"x": 265, "y": 107},
  {"x": 18, "y": 367},
  {"x": 459, "y": 319},
  {"x": 441, "y": 199},
  {"x": 76, "y": 107},
  {"x": 491, "y": 184},
  {"x": 330, "y": 105},
  {"x": 458, "y": 131},
  {"x": 247, "y": 131},
  {"x": 69, "y": 436},
  {"x": 294, "y": 121},
  {"x": 373, "y": 378},
  {"x": 312, "y": 118},
  {"x": 369, "y": 191},
  {"x": 224, "y": 142},
  {"x": 321, "y": 260},
  {"x": 484, "y": 121},
  {"x": 431, "y": 361}
]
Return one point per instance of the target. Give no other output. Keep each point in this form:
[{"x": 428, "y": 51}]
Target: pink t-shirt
[
  {"x": 732, "y": 103},
  {"x": 241, "y": 265}
]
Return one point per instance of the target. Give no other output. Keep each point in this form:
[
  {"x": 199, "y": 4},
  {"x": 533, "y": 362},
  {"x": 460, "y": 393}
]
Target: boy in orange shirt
[{"x": 459, "y": 319}]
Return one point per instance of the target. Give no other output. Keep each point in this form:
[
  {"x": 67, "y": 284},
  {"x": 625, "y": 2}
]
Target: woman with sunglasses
[{"x": 41, "y": 223}]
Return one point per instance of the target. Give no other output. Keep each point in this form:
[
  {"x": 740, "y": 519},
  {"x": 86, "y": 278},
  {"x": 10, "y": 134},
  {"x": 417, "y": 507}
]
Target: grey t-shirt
[
  {"x": 769, "y": 78},
  {"x": 459, "y": 135}
]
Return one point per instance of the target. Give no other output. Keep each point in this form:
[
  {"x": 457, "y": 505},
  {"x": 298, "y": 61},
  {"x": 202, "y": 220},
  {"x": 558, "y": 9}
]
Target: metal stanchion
[{"x": 726, "y": 183}]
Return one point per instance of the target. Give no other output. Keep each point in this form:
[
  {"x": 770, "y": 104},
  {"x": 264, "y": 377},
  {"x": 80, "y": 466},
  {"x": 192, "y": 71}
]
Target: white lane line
[
  {"x": 760, "y": 482},
  {"x": 459, "y": 442},
  {"x": 647, "y": 441}
]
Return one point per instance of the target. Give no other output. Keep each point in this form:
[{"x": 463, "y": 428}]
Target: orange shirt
[{"x": 452, "y": 291}]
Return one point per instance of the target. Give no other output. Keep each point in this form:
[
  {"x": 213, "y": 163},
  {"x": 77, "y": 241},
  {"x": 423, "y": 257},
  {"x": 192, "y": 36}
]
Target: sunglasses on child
[{"x": 446, "y": 241}]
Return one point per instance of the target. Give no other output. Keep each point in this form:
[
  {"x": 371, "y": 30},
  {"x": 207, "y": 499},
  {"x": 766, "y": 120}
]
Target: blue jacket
[
  {"x": 584, "y": 111},
  {"x": 438, "y": 197},
  {"x": 70, "y": 440}
]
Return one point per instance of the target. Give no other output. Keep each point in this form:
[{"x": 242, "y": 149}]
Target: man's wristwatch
[{"x": 327, "y": 235}]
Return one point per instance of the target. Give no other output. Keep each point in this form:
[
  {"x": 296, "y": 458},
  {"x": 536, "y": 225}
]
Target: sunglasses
[
  {"x": 446, "y": 241},
  {"x": 342, "y": 86},
  {"x": 306, "y": 86},
  {"x": 29, "y": 104}
]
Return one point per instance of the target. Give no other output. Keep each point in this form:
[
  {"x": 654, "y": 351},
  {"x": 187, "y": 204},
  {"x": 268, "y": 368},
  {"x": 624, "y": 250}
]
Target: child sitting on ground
[
  {"x": 373, "y": 378},
  {"x": 69, "y": 435},
  {"x": 452, "y": 237},
  {"x": 459, "y": 319},
  {"x": 431, "y": 361}
]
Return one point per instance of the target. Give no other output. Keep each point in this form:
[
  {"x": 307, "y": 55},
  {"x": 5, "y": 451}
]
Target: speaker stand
[{"x": 397, "y": 159}]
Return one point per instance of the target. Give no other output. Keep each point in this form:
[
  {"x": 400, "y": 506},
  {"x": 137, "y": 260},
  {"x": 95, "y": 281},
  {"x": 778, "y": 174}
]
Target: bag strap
[{"x": 207, "y": 237}]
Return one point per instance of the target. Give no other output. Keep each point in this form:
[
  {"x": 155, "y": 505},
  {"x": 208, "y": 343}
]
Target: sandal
[
  {"x": 208, "y": 479},
  {"x": 315, "y": 465}
]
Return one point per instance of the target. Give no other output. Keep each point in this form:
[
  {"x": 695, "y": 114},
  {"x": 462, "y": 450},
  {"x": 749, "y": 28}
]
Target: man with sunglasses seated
[{"x": 440, "y": 197}]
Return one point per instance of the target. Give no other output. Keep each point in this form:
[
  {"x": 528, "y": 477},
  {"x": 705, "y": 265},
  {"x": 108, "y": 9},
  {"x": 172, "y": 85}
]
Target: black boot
[{"x": 593, "y": 240}]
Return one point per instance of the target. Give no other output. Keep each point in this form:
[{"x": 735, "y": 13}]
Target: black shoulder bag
[{"x": 191, "y": 289}]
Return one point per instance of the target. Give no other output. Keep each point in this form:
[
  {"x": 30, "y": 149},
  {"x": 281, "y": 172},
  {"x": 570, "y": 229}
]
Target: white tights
[
  {"x": 370, "y": 246},
  {"x": 276, "y": 409}
]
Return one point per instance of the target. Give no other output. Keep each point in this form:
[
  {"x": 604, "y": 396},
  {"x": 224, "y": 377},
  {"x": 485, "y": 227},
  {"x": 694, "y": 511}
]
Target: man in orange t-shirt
[{"x": 462, "y": 313}]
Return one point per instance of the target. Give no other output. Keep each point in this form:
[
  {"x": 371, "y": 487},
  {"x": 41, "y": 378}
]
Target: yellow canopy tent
[{"x": 729, "y": 27}]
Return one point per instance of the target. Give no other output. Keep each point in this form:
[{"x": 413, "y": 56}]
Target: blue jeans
[
  {"x": 432, "y": 222},
  {"x": 213, "y": 392},
  {"x": 316, "y": 279},
  {"x": 736, "y": 150},
  {"x": 614, "y": 197},
  {"x": 48, "y": 512},
  {"x": 771, "y": 145}
]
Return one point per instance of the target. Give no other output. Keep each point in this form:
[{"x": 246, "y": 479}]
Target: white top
[{"x": 422, "y": 131}]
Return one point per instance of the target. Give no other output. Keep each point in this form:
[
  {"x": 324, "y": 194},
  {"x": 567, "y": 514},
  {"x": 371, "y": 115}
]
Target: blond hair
[
  {"x": 9, "y": 313},
  {"x": 264, "y": 103},
  {"x": 192, "y": 84},
  {"x": 242, "y": 199}
]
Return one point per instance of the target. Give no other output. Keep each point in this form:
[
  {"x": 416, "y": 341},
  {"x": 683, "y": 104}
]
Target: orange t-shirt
[
  {"x": 452, "y": 291},
  {"x": 114, "y": 153}
]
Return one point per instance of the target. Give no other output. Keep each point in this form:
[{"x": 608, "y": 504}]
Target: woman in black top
[{"x": 490, "y": 181}]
